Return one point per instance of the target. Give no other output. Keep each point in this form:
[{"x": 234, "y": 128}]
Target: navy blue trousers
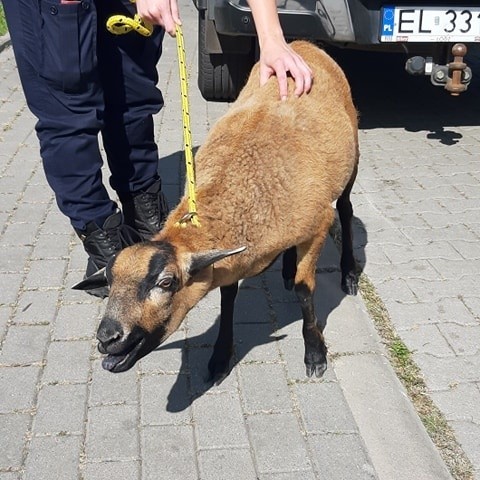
[{"x": 80, "y": 81}]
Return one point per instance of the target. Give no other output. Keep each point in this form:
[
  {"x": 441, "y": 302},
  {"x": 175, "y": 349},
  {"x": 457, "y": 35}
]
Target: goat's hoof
[
  {"x": 315, "y": 362},
  {"x": 289, "y": 283},
  {"x": 318, "y": 369},
  {"x": 218, "y": 371},
  {"x": 350, "y": 284}
]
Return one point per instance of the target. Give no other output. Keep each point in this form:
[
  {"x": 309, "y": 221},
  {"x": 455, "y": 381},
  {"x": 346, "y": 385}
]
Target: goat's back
[{"x": 268, "y": 167}]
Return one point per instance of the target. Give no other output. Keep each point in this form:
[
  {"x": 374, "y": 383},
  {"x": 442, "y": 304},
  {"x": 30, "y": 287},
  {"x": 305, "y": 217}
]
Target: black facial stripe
[{"x": 164, "y": 256}]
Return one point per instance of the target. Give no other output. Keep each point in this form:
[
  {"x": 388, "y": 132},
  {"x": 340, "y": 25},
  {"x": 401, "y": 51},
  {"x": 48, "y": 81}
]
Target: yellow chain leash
[
  {"x": 187, "y": 134},
  {"x": 120, "y": 25}
]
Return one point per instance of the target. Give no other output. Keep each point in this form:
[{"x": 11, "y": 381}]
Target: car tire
[{"x": 220, "y": 76}]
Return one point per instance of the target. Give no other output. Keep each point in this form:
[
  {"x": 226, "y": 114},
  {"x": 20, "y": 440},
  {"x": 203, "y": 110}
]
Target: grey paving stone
[
  {"x": 468, "y": 434},
  {"x": 198, "y": 367},
  {"x": 29, "y": 213},
  {"x": 9, "y": 285},
  {"x": 399, "y": 290},
  {"x": 372, "y": 400},
  {"x": 110, "y": 388},
  {"x": 170, "y": 357},
  {"x": 341, "y": 456},
  {"x": 324, "y": 409},
  {"x": 53, "y": 457},
  {"x": 19, "y": 234},
  {"x": 60, "y": 409},
  {"x": 10, "y": 476},
  {"x": 468, "y": 250},
  {"x": 293, "y": 352},
  {"x": 288, "y": 452},
  {"x": 464, "y": 339},
  {"x": 168, "y": 453},
  {"x": 427, "y": 339},
  {"x": 45, "y": 273},
  {"x": 459, "y": 402},
  {"x": 256, "y": 343},
  {"x": 288, "y": 319},
  {"x": 5, "y": 314},
  {"x": 165, "y": 400},
  {"x": 55, "y": 222},
  {"x": 76, "y": 321},
  {"x": 298, "y": 475},
  {"x": 13, "y": 435},
  {"x": 50, "y": 246},
  {"x": 445, "y": 372},
  {"x": 36, "y": 307},
  {"x": 19, "y": 388},
  {"x": 25, "y": 344},
  {"x": 116, "y": 470},
  {"x": 112, "y": 433},
  {"x": 9, "y": 200},
  {"x": 264, "y": 388},
  {"x": 443, "y": 249},
  {"x": 14, "y": 258},
  {"x": 362, "y": 336},
  {"x": 37, "y": 194},
  {"x": 251, "y": 306},
  {"x": 219, "y": 421},
  {"x": 234, "y": 464},
  {"x": 410, "y": 316},
  {"x": 473, "y": 304},
  {"x": 67, "y": 362}
]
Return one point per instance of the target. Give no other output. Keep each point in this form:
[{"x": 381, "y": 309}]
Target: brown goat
[{"x": 267, "y": 175}]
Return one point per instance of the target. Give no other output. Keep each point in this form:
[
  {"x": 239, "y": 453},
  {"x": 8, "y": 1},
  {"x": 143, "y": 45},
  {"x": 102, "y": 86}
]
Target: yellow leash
[
  {"x": 192, "y": 214},
  {"x": 120, "y": 25}
]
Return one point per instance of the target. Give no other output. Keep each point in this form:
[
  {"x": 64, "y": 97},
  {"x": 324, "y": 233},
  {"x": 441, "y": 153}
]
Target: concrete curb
[{"x": 5, "y": 41}]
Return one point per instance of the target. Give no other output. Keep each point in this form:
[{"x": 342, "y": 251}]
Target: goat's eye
[{"x": 165, "y": 283}]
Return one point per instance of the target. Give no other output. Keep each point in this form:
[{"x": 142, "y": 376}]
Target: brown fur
[
  {"x": 266, "y": 178},
  {"x": 269, "y": 170}
]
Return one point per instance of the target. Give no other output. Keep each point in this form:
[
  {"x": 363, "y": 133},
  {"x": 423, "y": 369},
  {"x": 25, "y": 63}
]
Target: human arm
[
  {"x": 160, "y": 12},
  {"x": 276, "y": 56}
]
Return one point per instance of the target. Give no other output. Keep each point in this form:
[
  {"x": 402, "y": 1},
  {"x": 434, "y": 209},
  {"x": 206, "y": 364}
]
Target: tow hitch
[{"x": 454, "y": 76}]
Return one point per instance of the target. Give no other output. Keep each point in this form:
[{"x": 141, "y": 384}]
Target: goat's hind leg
[
  {"x": 308, "y": 253},
  {"x": 347, "y": 261},
  {"x": 219, "y": 363},
  {"x": 289, "y": 267}
]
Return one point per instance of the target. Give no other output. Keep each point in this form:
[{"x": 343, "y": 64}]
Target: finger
[
  {"x": 169, "y": 25},
  {"x": 175, "y": 13},
  {"x": 265, "y": 74},
  {"x": 298, "y": 76},
  {"x": 282, "y": 83}
]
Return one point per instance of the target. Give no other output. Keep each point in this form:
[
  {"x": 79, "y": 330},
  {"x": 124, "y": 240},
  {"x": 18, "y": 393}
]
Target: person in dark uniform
[{"x": 80, "y": 81}]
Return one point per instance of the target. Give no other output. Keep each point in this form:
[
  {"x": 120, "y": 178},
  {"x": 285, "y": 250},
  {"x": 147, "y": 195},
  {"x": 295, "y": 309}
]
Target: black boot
[
  {"x": 103, "y": 243},
  {"x": 146, "y": 211}
]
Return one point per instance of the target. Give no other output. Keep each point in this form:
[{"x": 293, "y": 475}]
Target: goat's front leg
[
  {"x": 219, "y": 364},
  {"x": 289, "y": 267}
]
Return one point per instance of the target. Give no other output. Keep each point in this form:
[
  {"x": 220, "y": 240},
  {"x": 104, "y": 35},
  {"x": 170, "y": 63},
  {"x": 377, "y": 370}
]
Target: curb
[{"x": 5, "y": 42}]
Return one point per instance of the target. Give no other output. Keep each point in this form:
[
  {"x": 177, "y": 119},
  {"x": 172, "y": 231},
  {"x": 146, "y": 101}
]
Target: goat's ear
[
  {"x": 97, "y": 280},
  {"x": 202, "y": 260}
]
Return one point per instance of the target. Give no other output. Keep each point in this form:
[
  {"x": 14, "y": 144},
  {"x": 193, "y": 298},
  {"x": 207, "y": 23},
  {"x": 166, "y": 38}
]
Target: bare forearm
[{"x": 266, "y": 20}]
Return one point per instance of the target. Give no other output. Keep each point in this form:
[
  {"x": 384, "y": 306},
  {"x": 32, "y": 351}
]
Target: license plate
[{"x": 430, "y": 24}]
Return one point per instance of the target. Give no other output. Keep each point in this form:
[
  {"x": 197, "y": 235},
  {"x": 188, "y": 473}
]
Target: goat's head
[{"x": 152, "y": 287}]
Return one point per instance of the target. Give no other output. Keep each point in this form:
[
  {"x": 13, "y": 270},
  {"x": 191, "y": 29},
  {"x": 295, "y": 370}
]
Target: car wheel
[{"x": 221, "y": 76}]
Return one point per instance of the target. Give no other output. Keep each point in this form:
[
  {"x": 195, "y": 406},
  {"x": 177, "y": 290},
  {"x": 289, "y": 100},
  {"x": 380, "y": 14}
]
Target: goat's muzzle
[{"x": 122, "y": 350}]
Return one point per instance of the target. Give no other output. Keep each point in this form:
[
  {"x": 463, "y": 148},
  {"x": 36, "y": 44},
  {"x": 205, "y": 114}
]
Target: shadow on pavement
[{"x": 253, "y": 324}]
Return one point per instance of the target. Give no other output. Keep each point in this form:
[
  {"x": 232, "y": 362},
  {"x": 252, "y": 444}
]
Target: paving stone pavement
[{"x": 63, "y": 417}]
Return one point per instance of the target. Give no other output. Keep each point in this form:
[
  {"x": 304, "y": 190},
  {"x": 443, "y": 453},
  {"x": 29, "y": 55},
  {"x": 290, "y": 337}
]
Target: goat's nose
[{"x": 109, "y": 331}]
